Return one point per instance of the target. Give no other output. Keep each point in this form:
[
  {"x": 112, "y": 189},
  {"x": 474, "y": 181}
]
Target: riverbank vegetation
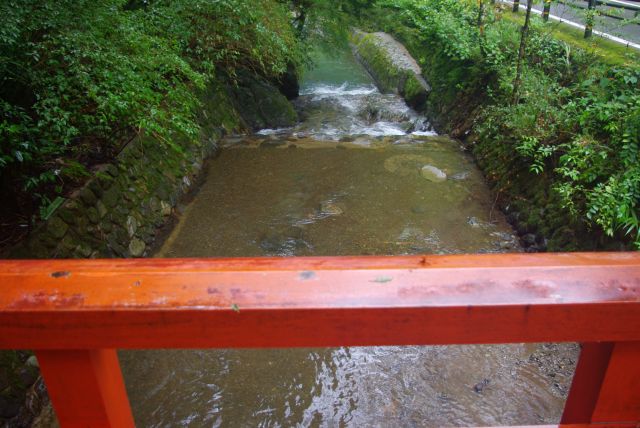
[
  {"x": 80, "y": 79},
  {"x": 564, "y": 151}
]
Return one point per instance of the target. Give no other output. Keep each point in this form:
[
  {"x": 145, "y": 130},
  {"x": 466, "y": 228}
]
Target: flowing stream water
[{"x": 361, "y": 174}]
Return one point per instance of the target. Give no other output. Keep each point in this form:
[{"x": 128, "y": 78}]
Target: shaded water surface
[{"x": 361, "y": 174}]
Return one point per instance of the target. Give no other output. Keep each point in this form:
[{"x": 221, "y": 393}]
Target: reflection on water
[
  {"x": 362, "y": 174},
  {"x": 380, "y": 386}
]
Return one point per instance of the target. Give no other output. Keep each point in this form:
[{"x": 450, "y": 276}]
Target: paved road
[{"x": 574, "y": 10}]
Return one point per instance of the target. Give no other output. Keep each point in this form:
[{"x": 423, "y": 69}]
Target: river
[{"x": 361, "y": 174}]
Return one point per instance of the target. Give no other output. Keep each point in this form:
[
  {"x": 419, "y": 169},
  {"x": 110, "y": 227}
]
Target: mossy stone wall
[{"x": 117, "y": 213}]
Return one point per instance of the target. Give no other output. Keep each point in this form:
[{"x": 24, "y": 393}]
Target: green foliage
[
  {"x": 599, "y": 168},
  {"x": 577, "y": 122},
  {"x": 531, "y": 148},
  {"x": 326, "y": 24},
  {"x": 581, "y": 128},
  {"x": 79, "y": 78},
  {"x": 448, "y": 23}
]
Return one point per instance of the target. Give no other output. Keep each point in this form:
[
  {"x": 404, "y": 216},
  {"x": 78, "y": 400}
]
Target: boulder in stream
[{"x": 432, "y": 173}]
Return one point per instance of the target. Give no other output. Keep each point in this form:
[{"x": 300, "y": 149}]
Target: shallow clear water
[
  {"x": 313, "y": 200},
  {"x": 352, "y": 178}
]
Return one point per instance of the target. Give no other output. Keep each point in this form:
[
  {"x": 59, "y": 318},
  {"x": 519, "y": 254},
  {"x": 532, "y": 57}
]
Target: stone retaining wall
[{"x": 117, "y": 213}]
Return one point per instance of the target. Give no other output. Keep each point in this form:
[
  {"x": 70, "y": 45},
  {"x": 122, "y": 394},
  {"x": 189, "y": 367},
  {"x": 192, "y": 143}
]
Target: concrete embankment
[{"x": 391, "y": 66}]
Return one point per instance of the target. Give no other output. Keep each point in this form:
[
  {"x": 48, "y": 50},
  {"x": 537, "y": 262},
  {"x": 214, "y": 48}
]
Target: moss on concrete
[
  {"x": 377, "y": 62},
  {"x": 390, "y": 75},
  {"x": 413, "y": 92}
]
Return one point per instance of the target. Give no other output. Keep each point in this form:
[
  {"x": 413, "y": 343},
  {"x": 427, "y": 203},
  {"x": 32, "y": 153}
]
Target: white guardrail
[
  {"x": 621, "y": 4},
  {"x": 604, "y": 35}
]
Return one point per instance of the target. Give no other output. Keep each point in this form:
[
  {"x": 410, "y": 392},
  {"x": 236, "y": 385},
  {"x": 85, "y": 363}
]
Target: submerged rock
[
  {"x": 432, "y": 173},
  {"x": 376, "y": 108},
  {"x": 419, "y": 209},
  {"x": 474, "y": 222},
  {"x": 461, "y": 176},
  {"x": 479, "y": 387},
  {"x": 284, "y": 242},
  {"x": 330, "y": 208}
]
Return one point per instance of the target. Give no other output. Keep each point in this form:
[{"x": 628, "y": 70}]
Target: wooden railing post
[
  {"x": 606, "y": 385},
  {"x": 587, "y": 381},
  {"x": 86, "y": 388},
  {"x": 619, "y": 398}
]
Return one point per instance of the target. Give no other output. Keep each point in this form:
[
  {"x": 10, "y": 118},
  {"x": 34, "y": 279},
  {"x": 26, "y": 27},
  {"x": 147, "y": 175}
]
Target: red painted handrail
[{"x": 75, "y": 312}]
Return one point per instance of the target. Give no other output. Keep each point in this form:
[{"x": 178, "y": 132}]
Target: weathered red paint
[
  {"x": 347, "y": 301},
  {"x": 587, "y": 381},
  {"x": 616, "y": 425},
  {"x": 61, "y": 306},
  {"x": 571, "y": 426},
  {"x": 619, "y": 397},
  {"x": 86, "y": 388}
]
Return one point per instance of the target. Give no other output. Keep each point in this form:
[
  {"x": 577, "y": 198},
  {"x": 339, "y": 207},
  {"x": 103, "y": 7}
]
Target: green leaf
[{"x": 51, "y": 208}]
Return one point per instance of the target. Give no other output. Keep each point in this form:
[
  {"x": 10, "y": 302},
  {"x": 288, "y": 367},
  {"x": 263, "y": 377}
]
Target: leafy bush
[
  {"x": 448, "y": 23},
  {"x": 576, "y": 124},
  {"x": 599, "y": 169},
  {"x": 79, "y": 78}
]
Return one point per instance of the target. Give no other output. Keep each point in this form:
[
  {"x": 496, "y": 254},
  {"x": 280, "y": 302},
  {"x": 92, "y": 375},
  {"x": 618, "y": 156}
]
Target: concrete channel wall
[{"x": 391, "y": 66}]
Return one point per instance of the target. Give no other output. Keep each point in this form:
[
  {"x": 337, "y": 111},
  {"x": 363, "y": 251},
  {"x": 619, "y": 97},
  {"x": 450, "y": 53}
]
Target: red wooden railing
[{"x": 75, "y": 313}]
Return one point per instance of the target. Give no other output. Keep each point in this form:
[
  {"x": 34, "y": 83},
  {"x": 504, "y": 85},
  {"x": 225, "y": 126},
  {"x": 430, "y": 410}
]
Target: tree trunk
[
  {"x": 546, "y": 10},
  {"x": 516, "y": 5},
  {"x": 521, "y": 52},
  {"x": 588, "y": 28},
  {"x": 480, "y": 16}
]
